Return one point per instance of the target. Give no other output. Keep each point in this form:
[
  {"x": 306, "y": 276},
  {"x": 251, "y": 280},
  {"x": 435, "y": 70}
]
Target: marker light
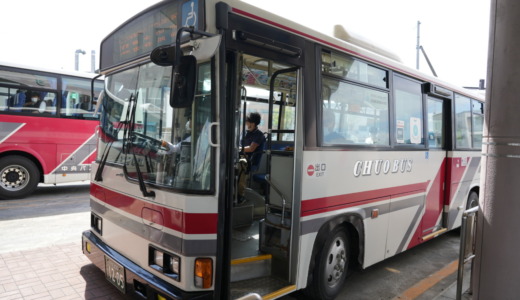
[{"x": 203, "y": 272}]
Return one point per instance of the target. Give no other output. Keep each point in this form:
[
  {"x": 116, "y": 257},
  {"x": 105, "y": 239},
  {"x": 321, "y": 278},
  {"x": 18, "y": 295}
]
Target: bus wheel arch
[
  {"x": 19, "y": 175},
  {"x": 343, "y": 231}
]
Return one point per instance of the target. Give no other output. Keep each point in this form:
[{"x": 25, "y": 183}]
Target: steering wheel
[{"x": 151, "y": 143}]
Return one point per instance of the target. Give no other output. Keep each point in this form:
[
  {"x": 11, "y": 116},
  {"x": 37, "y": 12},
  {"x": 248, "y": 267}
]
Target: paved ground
[
  {"x": 53, "y": 272},
  {"x": 48, "y": 263}
]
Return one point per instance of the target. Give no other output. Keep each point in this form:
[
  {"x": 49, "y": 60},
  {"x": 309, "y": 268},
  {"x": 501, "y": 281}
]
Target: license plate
[{"x": 115, "y": 273}]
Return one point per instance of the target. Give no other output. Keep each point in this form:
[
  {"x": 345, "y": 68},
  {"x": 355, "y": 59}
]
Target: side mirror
[{"x": 184, "y": 80}]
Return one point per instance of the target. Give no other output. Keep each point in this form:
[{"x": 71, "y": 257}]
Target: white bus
[{"x": 364, "y": 157}]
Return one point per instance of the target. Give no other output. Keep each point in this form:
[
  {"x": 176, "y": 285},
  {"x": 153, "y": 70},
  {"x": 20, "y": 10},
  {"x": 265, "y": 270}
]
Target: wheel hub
[
  {"x": 337, "y": 260},
  {"x": 14, "y": 177}
]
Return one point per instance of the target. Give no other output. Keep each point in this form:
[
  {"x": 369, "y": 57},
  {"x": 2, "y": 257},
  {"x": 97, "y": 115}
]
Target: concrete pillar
[{"x": 497, "y": 263}]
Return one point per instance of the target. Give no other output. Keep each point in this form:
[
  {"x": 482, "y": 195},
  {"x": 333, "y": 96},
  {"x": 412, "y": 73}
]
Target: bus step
[
  {"x": 434, "y": 234},
  {"x": 268, "y": 287},
  {"x": 250, "y": 267}
]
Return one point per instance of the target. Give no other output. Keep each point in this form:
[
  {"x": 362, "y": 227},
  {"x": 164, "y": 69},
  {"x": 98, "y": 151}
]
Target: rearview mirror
[{"x": 184, "y": 79}]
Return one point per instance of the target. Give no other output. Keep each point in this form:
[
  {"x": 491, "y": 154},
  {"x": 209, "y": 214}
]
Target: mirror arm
[{"x": 191, "y": 30}]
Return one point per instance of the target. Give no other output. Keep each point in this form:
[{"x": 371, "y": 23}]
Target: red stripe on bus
[
  {"x": 328, "y": 204},
  {"x": 188, "y": 223}
]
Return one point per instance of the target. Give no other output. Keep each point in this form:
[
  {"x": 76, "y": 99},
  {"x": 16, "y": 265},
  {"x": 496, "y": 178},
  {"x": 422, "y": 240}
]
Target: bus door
[
  {"x": 266, "y": 74},
  {"x": 262, "y": 216},
  {"x": 432, "y": 222}
]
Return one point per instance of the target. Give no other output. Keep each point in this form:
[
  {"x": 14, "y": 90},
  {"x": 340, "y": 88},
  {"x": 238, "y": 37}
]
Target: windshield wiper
[
  {"x": 129, "y": 139},
  {"x": 104, "y": 157}
]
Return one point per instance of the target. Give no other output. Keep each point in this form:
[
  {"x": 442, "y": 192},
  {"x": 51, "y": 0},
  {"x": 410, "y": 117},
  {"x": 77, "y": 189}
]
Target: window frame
[
  {"x": 472, "y": 114},
  {"x": 393, "y": 126},
  {"x": 330, "y": 76}
]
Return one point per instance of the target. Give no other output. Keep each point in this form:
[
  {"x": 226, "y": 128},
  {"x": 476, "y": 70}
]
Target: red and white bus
[
  {"x": 47, "y": 127},
  {"x": 364, "y": 157}
]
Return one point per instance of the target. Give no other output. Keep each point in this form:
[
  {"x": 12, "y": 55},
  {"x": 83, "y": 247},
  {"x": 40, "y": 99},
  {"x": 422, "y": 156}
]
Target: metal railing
[{"x": 467, "y": 246}]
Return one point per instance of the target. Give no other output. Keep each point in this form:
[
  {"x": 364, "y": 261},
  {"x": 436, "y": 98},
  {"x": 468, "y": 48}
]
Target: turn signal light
[{"x": 203, "y": 272}]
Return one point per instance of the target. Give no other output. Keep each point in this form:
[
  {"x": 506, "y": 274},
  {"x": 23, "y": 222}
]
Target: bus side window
[{"x": 19, "y": 100}]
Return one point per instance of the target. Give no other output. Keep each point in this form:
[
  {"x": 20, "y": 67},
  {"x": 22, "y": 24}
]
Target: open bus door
[
  {"x": 263, "y": 217},
  {"x": 263, "y": 71}
]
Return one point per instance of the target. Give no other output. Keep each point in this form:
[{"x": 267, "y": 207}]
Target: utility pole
[
  {"x": 418, "y": 47},
  {"x": 93, "y": 61},
  {"x": 76, "y": 58}
]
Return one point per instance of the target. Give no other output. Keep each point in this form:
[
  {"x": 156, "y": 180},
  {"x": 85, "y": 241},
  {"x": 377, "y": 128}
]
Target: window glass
[
  {"x": 256, "y": 80},
  {"x": 165, "y": 146},
  {"x": 408, "y": 111},
  {"x": 353, "y": 69},
  {"x": 28, "y": 101},
  {"x": 435, "y": 123},
  {"x": 478, "y": 123},
  {"x": 119, "y": 88},
  {"x": 28, "y": 80},
  {"x": 462, "y": 121},
  {"x": 4, "y": 98},
  {"x": 353, "y": 114},
  {"x": 76, "y": 101}
]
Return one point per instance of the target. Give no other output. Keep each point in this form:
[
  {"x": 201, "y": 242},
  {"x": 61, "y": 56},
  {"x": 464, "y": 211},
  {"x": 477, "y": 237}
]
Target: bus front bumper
[{"x": 130, "y": 278}]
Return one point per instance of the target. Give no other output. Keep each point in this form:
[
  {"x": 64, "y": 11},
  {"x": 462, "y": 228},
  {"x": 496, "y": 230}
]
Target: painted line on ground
[{"x": 422, "y": 286}]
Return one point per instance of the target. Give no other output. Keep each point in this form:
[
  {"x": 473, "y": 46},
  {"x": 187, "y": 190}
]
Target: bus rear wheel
[
  {"x": 19, "y": 177},
  {"x": 331, "y": 266},
  {"x": 472, "y": 200}
]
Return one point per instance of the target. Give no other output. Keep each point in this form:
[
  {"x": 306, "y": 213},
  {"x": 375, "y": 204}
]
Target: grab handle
[{"x": 216, "y": 145}]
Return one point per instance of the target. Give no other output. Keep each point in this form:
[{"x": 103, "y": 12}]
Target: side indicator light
[{"x": 203, "y": 272}]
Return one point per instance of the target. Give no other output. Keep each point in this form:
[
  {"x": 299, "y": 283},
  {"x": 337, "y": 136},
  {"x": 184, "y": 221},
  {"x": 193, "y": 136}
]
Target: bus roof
[
  {"x": 345, "y": 41},
  {"x": 49, "y": 70}
]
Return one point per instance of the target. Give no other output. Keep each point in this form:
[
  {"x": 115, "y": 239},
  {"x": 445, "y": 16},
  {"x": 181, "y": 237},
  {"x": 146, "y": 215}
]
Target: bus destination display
[{"x": 154, "y": 28}]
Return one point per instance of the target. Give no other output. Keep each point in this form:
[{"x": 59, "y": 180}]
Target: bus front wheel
[
  {"x": 19, "y": 177},
  {"x": 331, "y": 266}
]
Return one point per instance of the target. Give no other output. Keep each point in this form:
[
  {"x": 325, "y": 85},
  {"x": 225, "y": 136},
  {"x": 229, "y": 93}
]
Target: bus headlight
[
  {"x": 96, "y": 223},
  {"x": 203, "y": 272},
  {"x": 174, "y": 263},
  {"x": 164, "y": 262},
  {"x": 158, "y": 258}
]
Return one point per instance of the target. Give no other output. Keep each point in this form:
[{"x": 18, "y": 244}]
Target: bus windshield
[{"x": 169, "y": 146}]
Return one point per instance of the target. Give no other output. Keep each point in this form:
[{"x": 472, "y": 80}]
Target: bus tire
[
  {"x": 19, "y": 177},
  {"x": 472, "y": 200},
  {"x": 331, "y": 266}
]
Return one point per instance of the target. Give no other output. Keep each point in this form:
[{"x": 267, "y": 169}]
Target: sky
[{"x": 454, "y": 33}]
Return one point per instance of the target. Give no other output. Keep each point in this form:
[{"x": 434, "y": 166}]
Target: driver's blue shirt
[{"x": 256, "y": 136}]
